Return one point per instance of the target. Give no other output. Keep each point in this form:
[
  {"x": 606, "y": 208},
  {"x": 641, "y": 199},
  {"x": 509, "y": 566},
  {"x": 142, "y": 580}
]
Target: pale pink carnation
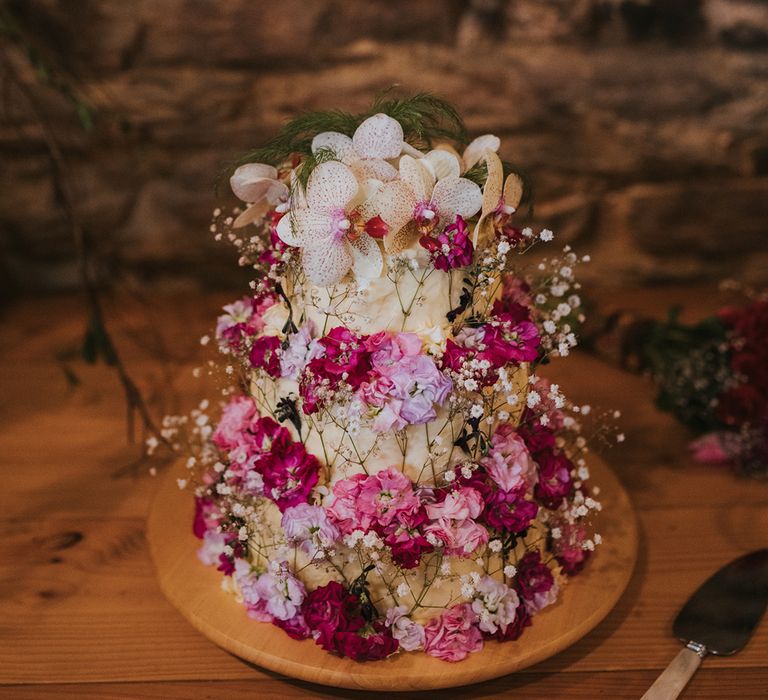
[
  {"x": 341, "y": 505},
  {"x": 508, "y": 462},
  {"x": 235, "y": 417},
  {"x": 495, "y": 605},
  {"x": 386, "y": 494},
  {"x": 281, "y": 592},
  {"x": 453, "y": 635},
  {"x": 465, "y": 502},
  {"x": 410, "y": 634},
  {"x": 212, "y": 547}
]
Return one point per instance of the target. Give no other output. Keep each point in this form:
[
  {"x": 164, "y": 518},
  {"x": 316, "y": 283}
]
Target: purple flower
[{"x": 309, "y": 527}]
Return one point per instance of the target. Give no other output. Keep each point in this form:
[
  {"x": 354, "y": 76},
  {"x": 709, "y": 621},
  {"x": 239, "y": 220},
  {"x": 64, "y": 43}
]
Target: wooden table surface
[{"x": 81, "y": 615}]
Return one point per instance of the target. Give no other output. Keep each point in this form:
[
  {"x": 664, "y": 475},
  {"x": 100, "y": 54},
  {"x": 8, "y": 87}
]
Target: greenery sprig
[{"x": 424, "y": 118}]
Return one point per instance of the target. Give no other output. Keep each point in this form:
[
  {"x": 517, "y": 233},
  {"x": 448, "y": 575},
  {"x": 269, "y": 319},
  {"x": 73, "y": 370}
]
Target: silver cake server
[{"x": 718, "y": 618}]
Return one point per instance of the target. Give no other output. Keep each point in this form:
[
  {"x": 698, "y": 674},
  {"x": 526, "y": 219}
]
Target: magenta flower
[
  {"x": 289, "y": 475},
  {"x": 451, "y": 247},
  {"x": 405, "y": 539},
  {"x": 554, "y": 478},
  {"x": 264, "y": 355},
  {"x": 242, "y": 319},
  {"x": 372, "y": 642},
  {"x": 535, "y": 582},
  {"x": 509, "y": 510},
  {"x": 453, "y": 635}
]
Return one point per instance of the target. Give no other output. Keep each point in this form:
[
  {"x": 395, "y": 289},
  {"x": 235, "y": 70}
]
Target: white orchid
[
  {"x": 420, "y": 197},
  {"x": 256, "y": 184},
  {"x": 377, "y": 140},
  {"x": 329, "y": 226}
]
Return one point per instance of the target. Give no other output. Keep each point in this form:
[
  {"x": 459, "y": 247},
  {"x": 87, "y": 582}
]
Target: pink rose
[{"x": 454, "y": 634}]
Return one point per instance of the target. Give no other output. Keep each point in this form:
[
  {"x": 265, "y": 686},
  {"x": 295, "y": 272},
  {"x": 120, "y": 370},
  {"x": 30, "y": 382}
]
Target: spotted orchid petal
[
  {"x": 367, "y": 262},
  {"x": 456, "y": 195},
  {"x": 325, "y": 265},
  {"x": 418, "y": 177},
  {"x": 442, "y": 164},
  {"x": 402, "y": 239},
  {"x": 305, "y": 227},
  {"x": 477, "y": 149},
  {"x": 330, "y": 187},
  {"x": 340, "y": 144},
  {"x": 394, "y": 203},
  {"x": 373, "y": 168},
  {"x": 253, "y": 182},
  {"x": 379, "y": 136}
]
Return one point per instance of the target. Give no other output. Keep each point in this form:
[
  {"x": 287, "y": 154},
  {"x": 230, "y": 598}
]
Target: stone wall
[{"x": 643, "y": 124}]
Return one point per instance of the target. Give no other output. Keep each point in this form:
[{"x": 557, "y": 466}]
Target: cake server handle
[{"x": 676, "y": 676}]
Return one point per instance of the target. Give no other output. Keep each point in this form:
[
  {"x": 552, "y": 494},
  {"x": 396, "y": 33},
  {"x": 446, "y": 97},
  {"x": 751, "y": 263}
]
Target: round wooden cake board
[{"x": 195, "y": 590}]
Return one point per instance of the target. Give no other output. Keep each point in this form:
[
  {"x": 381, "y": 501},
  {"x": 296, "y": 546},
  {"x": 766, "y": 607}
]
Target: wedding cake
[{"x": 389, "y": 472}]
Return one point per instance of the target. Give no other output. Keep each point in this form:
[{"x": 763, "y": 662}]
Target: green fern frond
[{"x": 424, "y": 118}]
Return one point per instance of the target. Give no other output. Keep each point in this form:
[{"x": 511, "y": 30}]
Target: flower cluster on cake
[{"x": 389, "y": 473}]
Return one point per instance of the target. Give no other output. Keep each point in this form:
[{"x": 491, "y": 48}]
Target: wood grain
[{"x": 81, "y": 614}]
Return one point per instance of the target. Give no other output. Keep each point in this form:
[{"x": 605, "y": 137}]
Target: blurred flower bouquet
[{"x": 713, "y": 377}]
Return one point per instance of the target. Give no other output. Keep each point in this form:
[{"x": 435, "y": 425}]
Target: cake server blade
[{"x": 718, "y": 618}]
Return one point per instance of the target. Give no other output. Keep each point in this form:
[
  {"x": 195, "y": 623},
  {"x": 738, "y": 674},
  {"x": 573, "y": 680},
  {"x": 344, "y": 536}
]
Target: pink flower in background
[
  {"x": 207, "y": 515},
  {"x": 451, "y": 248},
  {"x": 710, "y": 448},
  {"x": 453, "y": 635},
  {"x": 309, "y": 527},
  {"x": 568, "y": 547},
  {"x": 508, "y": 461},
  {"x": 535, "y": 582},
  {"x": 264, "y": 354},
  {"x": 212, "y": 547}
]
